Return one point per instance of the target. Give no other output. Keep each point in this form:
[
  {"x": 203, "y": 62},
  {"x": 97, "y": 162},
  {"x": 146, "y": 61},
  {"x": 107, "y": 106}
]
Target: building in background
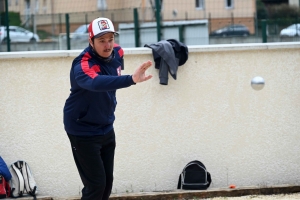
[{"x": 50, "y": 14}]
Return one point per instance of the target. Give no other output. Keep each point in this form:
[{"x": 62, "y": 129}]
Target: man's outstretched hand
[{"x": 139, "y": 74}]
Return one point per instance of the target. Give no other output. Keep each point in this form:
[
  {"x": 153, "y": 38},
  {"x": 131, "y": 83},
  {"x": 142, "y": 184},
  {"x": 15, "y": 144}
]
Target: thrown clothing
[{"x": 168, "y": 55}]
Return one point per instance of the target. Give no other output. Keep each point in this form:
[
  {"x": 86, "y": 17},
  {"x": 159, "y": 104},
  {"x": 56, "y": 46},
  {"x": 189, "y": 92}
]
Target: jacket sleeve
[{"x": 87, "y": 77}]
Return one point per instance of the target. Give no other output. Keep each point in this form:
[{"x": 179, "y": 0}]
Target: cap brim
[{"x": 103, "y": 33}]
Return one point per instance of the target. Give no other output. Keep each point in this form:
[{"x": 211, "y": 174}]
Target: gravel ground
[{"x": 260, "y": 197}]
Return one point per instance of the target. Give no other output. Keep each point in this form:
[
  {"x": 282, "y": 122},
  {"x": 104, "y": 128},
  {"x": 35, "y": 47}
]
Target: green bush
[
  {"x": 283, "y": 11},
  {"x": 277, "y": 16},
  {"x": 261, "y": 10},
  {"x": 283, "y": 15},
  {"x": 14, "y": 19}
]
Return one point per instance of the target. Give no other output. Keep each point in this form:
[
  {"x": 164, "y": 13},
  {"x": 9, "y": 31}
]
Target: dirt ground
[{"x": 262, "y": 197}]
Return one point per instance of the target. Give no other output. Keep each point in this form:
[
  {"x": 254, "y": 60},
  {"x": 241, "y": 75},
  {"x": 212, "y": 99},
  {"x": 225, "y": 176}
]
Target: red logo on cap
[{"x": 103, "y": 25}]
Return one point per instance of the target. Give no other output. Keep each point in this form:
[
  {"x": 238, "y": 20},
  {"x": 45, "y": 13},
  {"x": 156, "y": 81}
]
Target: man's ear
[{"x": 91, "y": 42}]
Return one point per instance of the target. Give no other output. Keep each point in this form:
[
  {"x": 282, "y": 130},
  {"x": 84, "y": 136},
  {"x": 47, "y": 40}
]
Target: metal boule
[{"x": 257, "y": 83}]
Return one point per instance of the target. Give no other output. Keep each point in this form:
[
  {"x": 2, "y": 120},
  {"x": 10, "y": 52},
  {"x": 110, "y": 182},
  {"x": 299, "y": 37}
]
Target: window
[
  {"x": 20, "y": 30},
  {"x": 200, "y": 4},
  {"x": 27, "y": 5},
  {"x": 45, "y": 6},
  {"x": 36, "y": 5},
  {"x": 17, "y": 2},
  {"x": 102, "y": 5},
  {"x": 12, "y": 30},
  {"x": 229, "y": 3}
]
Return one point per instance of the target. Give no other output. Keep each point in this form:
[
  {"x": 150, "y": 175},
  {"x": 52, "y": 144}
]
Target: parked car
[
  {"x": 80, "y": 33},
  {"x": 18, "y": 34},
  {"x": 291, "y": 31},
  {"x": 83, "y": 29},
  {"x": 232, "y": 30}
]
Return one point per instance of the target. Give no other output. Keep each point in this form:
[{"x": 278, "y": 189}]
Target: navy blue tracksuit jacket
[{"x": 89, "y": 110}]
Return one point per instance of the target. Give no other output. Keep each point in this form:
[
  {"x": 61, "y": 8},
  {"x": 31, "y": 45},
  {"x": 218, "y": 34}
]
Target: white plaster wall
[{"x": 210, "y": 113}]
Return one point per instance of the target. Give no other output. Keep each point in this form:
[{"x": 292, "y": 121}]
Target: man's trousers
[{"x": 94, "y": 158}]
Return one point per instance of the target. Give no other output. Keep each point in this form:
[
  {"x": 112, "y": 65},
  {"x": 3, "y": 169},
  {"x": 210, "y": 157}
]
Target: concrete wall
[{"x": 210, "y": 113}]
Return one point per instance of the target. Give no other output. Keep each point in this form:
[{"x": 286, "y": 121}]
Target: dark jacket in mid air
[{"x": 168, "y": 55}]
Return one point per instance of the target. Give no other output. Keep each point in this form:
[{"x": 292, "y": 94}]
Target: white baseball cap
[{"x": 101, "y": 26}]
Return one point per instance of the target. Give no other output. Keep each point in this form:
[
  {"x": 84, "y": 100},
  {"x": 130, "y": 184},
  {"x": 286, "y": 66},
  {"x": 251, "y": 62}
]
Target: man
[{"x": 89, "y": 110}]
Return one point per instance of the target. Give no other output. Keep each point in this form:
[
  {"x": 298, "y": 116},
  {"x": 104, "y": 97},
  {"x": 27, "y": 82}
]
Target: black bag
[{"x": 194, "y": 176}]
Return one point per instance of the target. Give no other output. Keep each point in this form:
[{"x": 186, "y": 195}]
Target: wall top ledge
[{"x": 144, "y": 50}]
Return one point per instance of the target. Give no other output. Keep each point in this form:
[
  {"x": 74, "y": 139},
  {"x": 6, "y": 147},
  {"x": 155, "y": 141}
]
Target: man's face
[{"x": 104, "y": 44}]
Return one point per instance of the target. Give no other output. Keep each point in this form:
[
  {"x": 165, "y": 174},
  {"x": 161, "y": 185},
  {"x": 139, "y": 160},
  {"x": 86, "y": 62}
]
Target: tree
[
  {"x": 283, "y": 11},
  {"x": 14, "y": 19},
  {"x": 261, "y": 10}
]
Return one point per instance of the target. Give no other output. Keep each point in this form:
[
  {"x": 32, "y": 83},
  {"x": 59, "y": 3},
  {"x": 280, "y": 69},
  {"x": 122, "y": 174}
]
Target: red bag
[
  {"x": 4, "y": 188},
  {"x": 7, "y": 187}
]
